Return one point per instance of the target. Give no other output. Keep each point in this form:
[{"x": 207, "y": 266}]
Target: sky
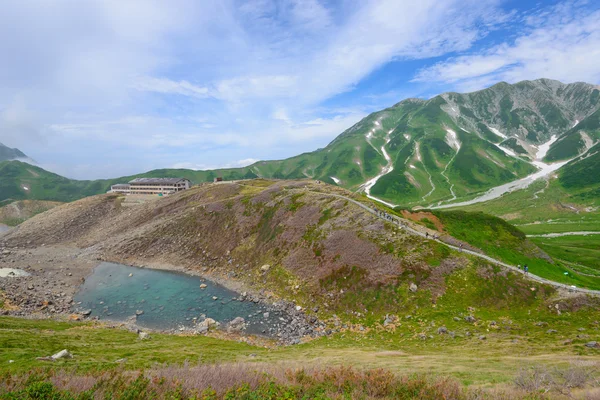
[{"x": 106, "y": 88}]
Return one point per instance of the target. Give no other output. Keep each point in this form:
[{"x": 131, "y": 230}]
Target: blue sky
[{"x": 93, "y": 89}]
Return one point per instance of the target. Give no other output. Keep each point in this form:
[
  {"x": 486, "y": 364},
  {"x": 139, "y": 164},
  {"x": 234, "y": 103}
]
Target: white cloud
[
  {"x": 216, "y": 79},
  {"x": 562, "y": 43},
  {"x": 163, "y": 85},
  {"x": 199, "y": 167}
]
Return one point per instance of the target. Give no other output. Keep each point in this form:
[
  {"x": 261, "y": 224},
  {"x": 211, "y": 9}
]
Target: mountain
[
  {"x": 6, "y": 153},
  {"x": 416, "y": 153},
  {"x": 421, "y": 152}
]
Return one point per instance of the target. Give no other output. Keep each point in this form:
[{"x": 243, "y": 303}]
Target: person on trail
[
  {"x": 460, "y": 247},
  {"x": 427, "y": 235},
  {"x": 526, "y": 269}
]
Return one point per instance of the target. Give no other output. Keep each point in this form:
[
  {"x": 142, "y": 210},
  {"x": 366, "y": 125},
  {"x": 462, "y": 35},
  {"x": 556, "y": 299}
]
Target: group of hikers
[
  {"x": 388, "y": 217},
  {"x": 525, "y": 268}
]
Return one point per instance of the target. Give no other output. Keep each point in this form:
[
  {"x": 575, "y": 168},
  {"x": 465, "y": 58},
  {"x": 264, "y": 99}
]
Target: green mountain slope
[{"x": 576, "y": 140}]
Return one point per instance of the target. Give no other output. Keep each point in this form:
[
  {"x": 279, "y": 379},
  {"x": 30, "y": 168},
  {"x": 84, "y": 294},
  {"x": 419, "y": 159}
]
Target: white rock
[
  {"x": 62, "y": 354},
  {"x": 265, "y": 267}
]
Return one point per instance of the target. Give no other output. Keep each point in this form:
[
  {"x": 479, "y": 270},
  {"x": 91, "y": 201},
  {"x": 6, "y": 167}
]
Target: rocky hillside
[
  {"x": 16, "y": 212},
  {"x": 294, "y": 240}
]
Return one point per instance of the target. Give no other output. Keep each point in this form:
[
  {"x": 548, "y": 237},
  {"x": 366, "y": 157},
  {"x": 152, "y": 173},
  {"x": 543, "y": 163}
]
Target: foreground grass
[
  {"x": 401, "y": 349},
  {"x": 385, "y": 363}
]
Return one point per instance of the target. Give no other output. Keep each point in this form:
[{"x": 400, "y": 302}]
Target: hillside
[
  {"x": 307, "y": 236},
  {"x": 16, "y": 212}
]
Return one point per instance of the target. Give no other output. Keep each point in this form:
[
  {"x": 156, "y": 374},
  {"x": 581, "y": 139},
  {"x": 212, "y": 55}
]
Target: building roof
[
  {"x": 121, "y": 185},
  {"x": 157, "y": 181}
]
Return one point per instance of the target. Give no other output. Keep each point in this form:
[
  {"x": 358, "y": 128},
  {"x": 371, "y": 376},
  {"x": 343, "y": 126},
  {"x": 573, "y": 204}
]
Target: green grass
[
  {"x": 505, "y": 242},
  {"x": 560, "y": 226},
  {"x": 582, "y": 250},
  {"x": 24, "y": 340}
]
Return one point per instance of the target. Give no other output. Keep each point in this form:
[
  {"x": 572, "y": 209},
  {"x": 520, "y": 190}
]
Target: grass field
[
  {"x": 469, "y": 359},
  {"x": 578, "y": 250}
]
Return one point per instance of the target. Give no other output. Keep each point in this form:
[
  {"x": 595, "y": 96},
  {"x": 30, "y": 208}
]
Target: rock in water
[
  {"x": 238, "y": 324},
  {"x": 139, "y": 312},
  {"x": 203, "y": 286},
  {"x": 62, "y": 354}
]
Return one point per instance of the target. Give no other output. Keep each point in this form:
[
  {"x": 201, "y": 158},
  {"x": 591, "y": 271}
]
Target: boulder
[
  {"x": 204, "y": 326},
  {"x": 442, "y": 330},
  {"x": 470, "y": 318},
  {"x": 143, "y": 336},
  {"x": 550, "y": 331},
  {"x": 413, "y": 288},
  {"x": 389, "y": 319},
  {"x": 62, "y": 354},
  {"x": 265, "y": 268},
  {"x": 593, "y": 344},
  {"x": 236, "y": 325},
  {"x": 86, "y": 312},
  {"x": 203, "y": 286}
]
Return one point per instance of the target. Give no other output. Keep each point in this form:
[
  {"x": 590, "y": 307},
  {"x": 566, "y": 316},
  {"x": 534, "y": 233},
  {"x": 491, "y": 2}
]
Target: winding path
[{"x": 473, "y": 253}]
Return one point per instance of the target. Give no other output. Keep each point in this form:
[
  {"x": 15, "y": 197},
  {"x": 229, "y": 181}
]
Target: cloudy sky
[{"x": 103, "y": 88}]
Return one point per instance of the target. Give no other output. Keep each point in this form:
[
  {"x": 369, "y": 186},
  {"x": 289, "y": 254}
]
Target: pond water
[{"x": 168, "y": 299}]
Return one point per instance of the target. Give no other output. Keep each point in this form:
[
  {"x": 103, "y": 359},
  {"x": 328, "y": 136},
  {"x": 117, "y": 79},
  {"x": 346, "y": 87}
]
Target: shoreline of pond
[{"x": 56, "y": 273}]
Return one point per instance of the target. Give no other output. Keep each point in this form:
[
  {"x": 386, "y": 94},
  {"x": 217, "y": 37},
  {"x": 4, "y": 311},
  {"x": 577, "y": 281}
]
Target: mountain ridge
[{"x": 7, "y": 153}]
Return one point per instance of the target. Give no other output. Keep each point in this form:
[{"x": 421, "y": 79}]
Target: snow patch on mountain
[
  {"x": 543, "y": 148},
  {"x": 506, "y": 151},
  {"x": 452, "y": 139},
  {"x": 497, "y": 132},
  {"x": 336, "y": 180}
]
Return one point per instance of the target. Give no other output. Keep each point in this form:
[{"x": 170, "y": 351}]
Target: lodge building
[{"x": 160, "y": 186}]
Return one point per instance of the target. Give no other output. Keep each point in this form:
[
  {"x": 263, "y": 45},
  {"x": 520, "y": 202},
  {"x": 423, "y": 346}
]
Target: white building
[
  {"x": 158, "y": 185},
  {"x": 120, "y": 188}
]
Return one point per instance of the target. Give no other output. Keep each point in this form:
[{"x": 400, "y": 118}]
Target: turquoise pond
[{"x": 168, "y": 299}]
